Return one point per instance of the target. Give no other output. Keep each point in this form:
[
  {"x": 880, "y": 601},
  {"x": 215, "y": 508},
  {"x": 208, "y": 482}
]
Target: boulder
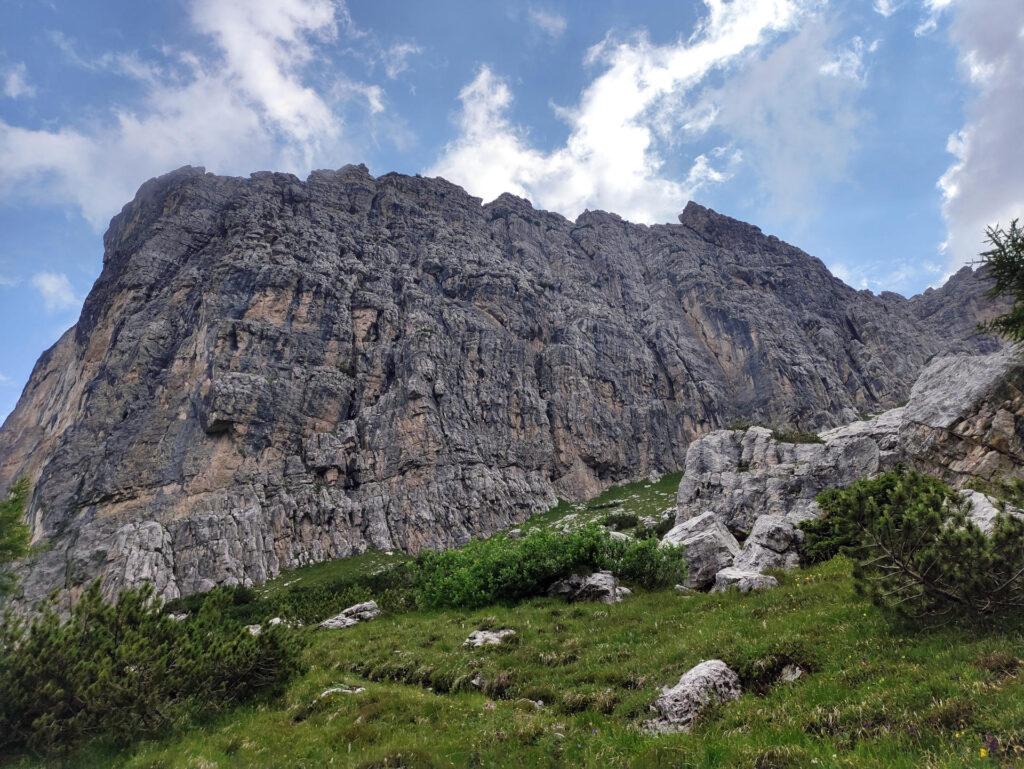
[
  {"x": 679, "y": 707},
  {"x": 353, "y": 615},
  {"x": 744, "y": 581},
  {"x": 489, "y": 637},
  {"x": 706, "y": 554},
  {"x": 600, "y": 586},
  {"x": 772, "y": 544}
]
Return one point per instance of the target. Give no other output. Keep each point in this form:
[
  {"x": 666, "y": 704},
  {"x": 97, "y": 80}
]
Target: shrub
[
  {"x": 659, "y": 530},
  {"x": 125, "y": 669},
  {"x": 499, "y": 569},
  {"x": 14, "y": 534},
  {"x": 644, "y": 562},
  {"x": 916, "y": 552},
  {"x": 825, "y": 538}
]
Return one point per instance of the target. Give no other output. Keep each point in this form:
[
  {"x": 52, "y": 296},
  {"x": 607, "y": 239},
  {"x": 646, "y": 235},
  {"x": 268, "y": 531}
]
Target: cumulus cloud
[
  {"x": 247, "y": 106},
  {"x": 551, "y": 24},
  {"x": 56, "y": 291},
  {"x": 15, "y": 80},
  {"x": 621, "y": 151},
  {"x": 984, "y": 185}
]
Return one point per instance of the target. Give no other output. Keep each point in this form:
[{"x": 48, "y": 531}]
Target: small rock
[
  {"x": 489, "y": 637},
  {"x": 353, "y": 615},
  {"x": 254, "y": 630},
  {"x": 516, "y": 533},
  {"x": 744, "y": 581},
  {"x": 179, "y": 617},
  {"x": 712, "y": 682},
  {"x": 790, "y": 673},
  {"x": 341, "y": 690},
  {"x": 599, "y": 586},
  {"x": 618, "y": 536},
  {"x": 685, "y": 590}
]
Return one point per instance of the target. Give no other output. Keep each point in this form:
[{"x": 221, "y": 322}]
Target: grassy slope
[{"x": 877, "y": 696}]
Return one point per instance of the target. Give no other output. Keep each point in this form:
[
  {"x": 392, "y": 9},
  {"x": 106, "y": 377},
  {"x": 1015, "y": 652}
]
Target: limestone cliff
[{"x": 271, "y": 371}]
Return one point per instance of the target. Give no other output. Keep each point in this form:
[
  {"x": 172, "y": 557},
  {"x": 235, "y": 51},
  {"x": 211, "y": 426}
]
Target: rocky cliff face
[{"x": 271, "y": 372}]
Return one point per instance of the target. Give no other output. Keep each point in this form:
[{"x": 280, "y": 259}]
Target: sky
[{"x": 882, "y": 136}]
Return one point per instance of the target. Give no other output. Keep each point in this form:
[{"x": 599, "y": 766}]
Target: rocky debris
[
  {"x": 745, "y": 581},
  {"x": 684, "y": 590},
  {"x": 254, "y": 630},
  {"x": 353, "y": 615},
  {"x": 679, "y": 707},
  {"x": 489, "y": 637},
  {"x": 619, "y": 536},
  {"x": 179, "y": 616},
  {"x": 600, "y": 586},
  {"x": 271, "y": 372},
  {"x": 515, "y": 533}
]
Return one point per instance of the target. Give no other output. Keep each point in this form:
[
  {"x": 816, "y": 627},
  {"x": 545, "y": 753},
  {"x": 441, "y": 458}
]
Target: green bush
[
  {"x": 126, "y": 669},
  {"x": 787, "y": 435},
  {"x": 14, "y": 534},
  {"x": 646, "y": 563},
  {"x": 825, "y": 538},
  {"x": 916, "y": 553},
  {"x": 500, "y": 569}
]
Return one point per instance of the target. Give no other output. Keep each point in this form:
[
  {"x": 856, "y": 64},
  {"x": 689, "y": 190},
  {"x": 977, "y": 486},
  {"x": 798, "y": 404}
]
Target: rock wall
[{"x": 271, "y": 372}]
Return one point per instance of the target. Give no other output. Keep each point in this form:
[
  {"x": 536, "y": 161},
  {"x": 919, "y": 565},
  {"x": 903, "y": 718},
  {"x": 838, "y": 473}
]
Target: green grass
[
  {"x": 641, "y": 498},
  {"x": 876, "y": 695}
]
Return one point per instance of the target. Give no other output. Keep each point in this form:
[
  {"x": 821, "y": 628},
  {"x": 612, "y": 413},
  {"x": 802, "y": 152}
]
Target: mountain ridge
[{"x": 271, "y": 371}]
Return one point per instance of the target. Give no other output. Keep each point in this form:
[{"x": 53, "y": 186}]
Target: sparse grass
[{"x": 876, "y": 695}]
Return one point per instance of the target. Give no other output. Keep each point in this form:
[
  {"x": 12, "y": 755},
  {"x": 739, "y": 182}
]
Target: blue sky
[{"x": 879, "y": 135}]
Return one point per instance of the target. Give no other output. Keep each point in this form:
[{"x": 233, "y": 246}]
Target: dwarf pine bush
[
  {"x": 125, "y": 669},
  {"x": 915, "y": 550}
]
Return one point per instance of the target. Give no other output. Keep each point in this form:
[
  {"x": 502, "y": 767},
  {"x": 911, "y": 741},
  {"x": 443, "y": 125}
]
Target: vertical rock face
[{"x": 270, "y": 371}]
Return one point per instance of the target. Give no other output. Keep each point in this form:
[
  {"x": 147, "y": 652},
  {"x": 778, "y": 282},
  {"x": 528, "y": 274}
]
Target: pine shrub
[
  {"x": 125, "y": 669},
  {"x": 917, "y": 553}
]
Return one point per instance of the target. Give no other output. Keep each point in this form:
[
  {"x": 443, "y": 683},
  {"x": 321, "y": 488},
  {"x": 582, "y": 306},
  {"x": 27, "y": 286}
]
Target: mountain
[{"x": 270, "y": 372}]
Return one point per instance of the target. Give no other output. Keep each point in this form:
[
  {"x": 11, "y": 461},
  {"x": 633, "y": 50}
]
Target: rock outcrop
[
  {"x": 964, "y": 422},
  {"x": 271, "y": 372}
]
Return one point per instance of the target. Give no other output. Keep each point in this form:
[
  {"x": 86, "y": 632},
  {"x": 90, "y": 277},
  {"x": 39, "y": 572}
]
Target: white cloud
[
  {"x": 5, "y": 381},
  {"x": 619, "y": 154},
  {"x": 985, "y": 183},
  {"x": 886, "y": 8},
  {"x": 56, "y": 291},
  {"x": 551, "y": 24},
  {"x": 15, "y": 80},
  {"x": 6, "y": 282},
  {"x": 793, "y": 111},
  {"x": 396, "y": 58},
  {"x": 248, "y": 106}
]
